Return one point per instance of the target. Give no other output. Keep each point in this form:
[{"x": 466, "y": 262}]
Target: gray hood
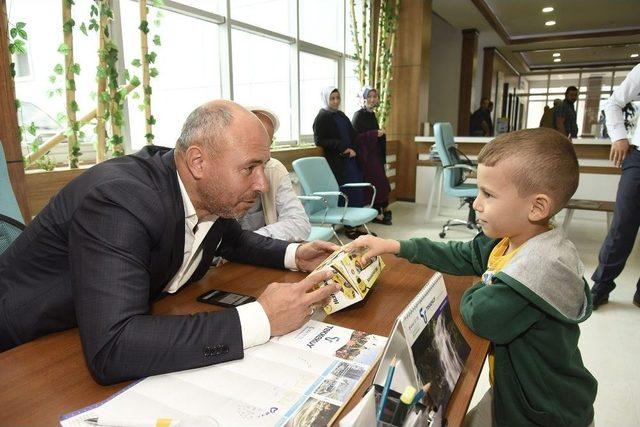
[{"x": 549, "y": 266}]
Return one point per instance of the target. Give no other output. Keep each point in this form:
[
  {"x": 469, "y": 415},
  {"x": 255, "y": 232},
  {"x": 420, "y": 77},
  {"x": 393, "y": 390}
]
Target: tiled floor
[{"x": 610, "y": 341}]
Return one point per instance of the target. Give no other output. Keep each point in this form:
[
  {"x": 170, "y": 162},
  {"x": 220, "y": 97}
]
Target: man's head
[
  {"x": 524, "y": 177},
  {"x": 571, "y": 94},
  {"x": 268, "y": 119},
  {"x": 484, "y": 103},
  {"x": 220, "y": 156}
]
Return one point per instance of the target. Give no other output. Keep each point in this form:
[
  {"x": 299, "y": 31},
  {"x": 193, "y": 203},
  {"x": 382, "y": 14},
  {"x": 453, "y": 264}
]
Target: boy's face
[{"x": 501, "y": 211}]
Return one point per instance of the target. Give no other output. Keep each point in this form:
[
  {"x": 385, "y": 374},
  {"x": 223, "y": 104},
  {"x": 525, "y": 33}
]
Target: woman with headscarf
[
  {"x": 333, "y": 131},
  {"x": 372, "y": 154}
]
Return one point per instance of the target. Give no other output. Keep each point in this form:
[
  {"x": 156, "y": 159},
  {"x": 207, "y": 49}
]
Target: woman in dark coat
[
  {"x": 372, "y": 154},
  {"x": 333, "y": 131}
]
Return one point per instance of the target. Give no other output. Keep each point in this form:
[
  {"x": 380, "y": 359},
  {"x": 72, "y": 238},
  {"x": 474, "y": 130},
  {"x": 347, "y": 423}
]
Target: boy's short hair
[{"x": 545, "y": 160}]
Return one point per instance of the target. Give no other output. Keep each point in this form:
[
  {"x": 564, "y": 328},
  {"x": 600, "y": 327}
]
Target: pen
[
  {"x": 424, "y": 390},
  {"x": 132, "y": 422},
  {"x": 387, "y": 386}
]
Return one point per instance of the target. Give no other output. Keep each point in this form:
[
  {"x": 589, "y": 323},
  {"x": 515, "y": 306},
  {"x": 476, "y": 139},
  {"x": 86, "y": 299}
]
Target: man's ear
[
  {"x": 195, "y": 160},
  {"x": 540, "y": 207}
]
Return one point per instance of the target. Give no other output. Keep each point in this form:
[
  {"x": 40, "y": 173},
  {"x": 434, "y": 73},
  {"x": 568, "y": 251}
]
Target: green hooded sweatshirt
[{"x": 530, "y": 313}]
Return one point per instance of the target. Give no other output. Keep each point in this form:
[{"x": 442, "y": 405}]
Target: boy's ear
[{"x": 540, "y": 208}]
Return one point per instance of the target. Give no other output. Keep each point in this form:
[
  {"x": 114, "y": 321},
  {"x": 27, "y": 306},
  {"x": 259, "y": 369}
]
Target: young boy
[{"x": 532, "y": 294}]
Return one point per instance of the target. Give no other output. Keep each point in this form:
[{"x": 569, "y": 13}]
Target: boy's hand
[{"x": 375, "y": 245}]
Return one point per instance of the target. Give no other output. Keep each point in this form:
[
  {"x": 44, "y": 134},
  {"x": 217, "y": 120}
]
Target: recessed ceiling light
[
  {"x": 557, "y": 60},
  {"x": 633, "y": 55},
  {"x": 547, "y": 9},
  {"x": 550, "y": 23},
  {"x": 556, "y": 54}
]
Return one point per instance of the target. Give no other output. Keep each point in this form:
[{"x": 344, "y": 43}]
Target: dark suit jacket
[
  {"x": 327, "y": 136},
  {"x": 101, "y": 251}
]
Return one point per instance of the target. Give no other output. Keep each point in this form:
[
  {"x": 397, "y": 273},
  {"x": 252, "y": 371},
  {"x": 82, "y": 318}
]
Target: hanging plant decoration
[
  {"x": 70, "y": 70},
  {"x": 148, "y": 59}
]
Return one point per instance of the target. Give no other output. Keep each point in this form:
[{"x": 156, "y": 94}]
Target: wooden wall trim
[
  {"x": 487, "y": 71},
  {"x": 468, "y": 61},
  {"x": 9, "y": 120}
]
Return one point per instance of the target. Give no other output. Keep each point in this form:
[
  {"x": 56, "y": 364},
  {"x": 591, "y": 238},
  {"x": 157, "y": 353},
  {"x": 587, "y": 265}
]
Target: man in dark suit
[{"x": 132, "y": 228}]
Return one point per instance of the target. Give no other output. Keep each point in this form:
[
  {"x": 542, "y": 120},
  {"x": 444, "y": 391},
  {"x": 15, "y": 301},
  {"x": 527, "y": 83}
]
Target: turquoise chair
[
  {"x": 317, "y": 179},
  {"x": 8, "y": 203},
  {"x": 318, "y": 232},
  {"x": 10, "y": 217},
  {"x": 454, "y": 176}
]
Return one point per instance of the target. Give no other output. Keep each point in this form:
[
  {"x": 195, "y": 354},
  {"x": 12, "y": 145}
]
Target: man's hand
[
  {"x": 619, "y": 151},
  {"x": 375, "y": 246},
  {"x": 310, "y": 255},
  {"x": 289, "y": 305},
  {"x": 349, "y": 152},
  {"x": 380, "y": 132}
]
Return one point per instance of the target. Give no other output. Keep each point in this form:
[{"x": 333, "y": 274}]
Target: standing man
[
  {"x": 564, "y": 115},
  {"x": 480, "y": 121},
  {"x": 626, "y": 218},
  {"x": 132, "y": 228}
]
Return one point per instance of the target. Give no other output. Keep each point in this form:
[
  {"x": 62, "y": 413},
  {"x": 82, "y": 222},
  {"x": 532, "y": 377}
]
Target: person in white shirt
[
  {"x": 277, "y": 213},
  {"x": 626, "y": 217}
]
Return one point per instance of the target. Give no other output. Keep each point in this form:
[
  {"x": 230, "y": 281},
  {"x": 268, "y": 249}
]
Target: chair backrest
[
  {"x": 10, "y": 229},
  {"x": 8, "y": 203},
  {"x": 315, "y": 175},
  {"x": 448, "y": 154}
]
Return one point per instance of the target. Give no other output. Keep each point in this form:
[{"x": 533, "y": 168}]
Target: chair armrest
[
  {"x": 317, "y": 198},
  {"x": 335, "y": 193},
  {"x": 461, "y": 166},
  {"x": 363, "y": 184}
]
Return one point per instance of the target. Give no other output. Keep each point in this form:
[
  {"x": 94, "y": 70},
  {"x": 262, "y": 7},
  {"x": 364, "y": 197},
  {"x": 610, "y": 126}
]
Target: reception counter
[{"x": 598, "y": 177}]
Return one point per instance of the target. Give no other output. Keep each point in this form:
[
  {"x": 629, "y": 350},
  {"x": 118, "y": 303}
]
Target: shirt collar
[{"x": 190, "y": 215}]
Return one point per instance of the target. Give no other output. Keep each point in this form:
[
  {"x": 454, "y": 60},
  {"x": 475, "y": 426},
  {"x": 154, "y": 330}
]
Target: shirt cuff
[
  {"x": 290, "y": 257},
  {"x": 254, "y": 323}
]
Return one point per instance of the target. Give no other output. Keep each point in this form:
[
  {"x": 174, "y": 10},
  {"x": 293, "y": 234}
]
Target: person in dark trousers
[
  {"x": 372, "y": 142},
  {"x": 332, "y": 130},
  {"x": 626, "y": 218},
  {"x": 564, "y": 115}
]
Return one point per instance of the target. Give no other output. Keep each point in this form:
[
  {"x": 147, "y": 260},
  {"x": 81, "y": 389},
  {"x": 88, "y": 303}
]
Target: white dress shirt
[
  {"x": 628, "y": 91},
  {"x": 253, "y": 319}
]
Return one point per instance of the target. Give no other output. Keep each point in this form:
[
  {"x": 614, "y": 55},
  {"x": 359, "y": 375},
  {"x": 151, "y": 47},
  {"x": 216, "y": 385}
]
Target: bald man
[{"x": 133, "y": 228}]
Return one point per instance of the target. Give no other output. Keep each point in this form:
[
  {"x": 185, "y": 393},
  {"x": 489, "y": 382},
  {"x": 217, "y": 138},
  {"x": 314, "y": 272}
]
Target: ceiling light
[
  {"x": 556, "y": 54},
  {"x": 633, "y": 55},
  {"x": 547, "y": 9},
  {"x": 550, "y": 23},
  {"x": 557, "y": 60}
]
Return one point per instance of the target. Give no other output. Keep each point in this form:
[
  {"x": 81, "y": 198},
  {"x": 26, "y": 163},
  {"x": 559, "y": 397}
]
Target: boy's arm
[
  {"x": 496, "y": 312},
  {"x": 459, "y": 258}
]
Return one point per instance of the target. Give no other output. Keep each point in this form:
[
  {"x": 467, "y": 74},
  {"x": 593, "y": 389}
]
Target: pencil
[{"x": 387, "y": 386}]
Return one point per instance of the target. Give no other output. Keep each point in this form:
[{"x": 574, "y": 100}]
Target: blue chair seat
[
  {"x": 320, "y": 233},
  {"x": 353, "y": 218}
]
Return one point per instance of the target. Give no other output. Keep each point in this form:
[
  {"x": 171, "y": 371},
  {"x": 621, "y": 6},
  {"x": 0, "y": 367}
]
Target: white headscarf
[
  {"x": 364, "y": 93},
  {"x": 325, "y": 95}
]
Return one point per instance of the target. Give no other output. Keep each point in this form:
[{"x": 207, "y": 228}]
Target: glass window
[
  {"x": 257, "y": 84},
  {"x": 274, "y": 15},
  {"x": 535, "y": 111},
  {"x": 322, "y": 23},
  {"x": 188, "y": 67},
  {"x": 316, "y": 72},
  {"x": 559, "y": 82},
  {"x": 40, "y": 78},
  {"x": 351, "y": 97},
  {"x": 215, "y": 6}
]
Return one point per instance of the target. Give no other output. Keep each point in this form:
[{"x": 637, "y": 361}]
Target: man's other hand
[
  {"x": 290, "y": 305},
  {"x": 310, "y": 255},
  {"x": 619, "y": 151}
]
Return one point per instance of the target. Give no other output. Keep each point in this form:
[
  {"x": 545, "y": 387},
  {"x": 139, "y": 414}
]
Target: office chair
[
  {"x": 318, "y": 232},
  {"x": 317, "y": 179},
  {"x": 8, "y": 203},
  {"x": 10, "y": 229},
  {"x": 453, "y": 182}
]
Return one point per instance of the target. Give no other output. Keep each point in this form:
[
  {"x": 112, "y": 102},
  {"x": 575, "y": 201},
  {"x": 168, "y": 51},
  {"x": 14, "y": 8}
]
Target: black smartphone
[{"x": 224, "y": 298}]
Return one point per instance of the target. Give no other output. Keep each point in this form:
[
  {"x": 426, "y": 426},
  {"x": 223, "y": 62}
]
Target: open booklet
[
  {"x": 355, "y": 277},
  {"x": 300, "y": 379},
  {"x": 429, "y": 348}
]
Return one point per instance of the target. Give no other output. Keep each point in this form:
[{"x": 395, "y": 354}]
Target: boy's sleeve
[
  {"x": 496, "y": 312},
  {"x": 459, "y": 258}
]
